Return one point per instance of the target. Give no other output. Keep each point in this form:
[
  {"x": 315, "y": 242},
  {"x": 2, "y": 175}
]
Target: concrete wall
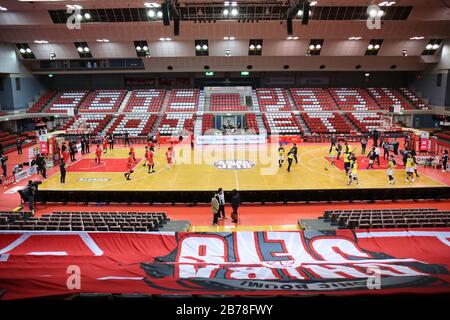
[
  {"x": 426, "y": 82},
  {"x": 6, "y": 97},
  {"x": 30, "y": 87}
]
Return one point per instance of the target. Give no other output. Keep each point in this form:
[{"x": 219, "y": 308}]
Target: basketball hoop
[{"x": 386, "y": 123}]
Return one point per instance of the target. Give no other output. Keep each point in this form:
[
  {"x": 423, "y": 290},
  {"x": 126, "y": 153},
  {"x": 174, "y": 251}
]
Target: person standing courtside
[
  {"x": 339, "y": 150},
  {"x": 363, "y": 146},
  {"x": 444, "y": 161},
  {"x": 111, "y": 141},
  {"x": 215, "y": 209},
  {"x": 235, "y": 203},
  {"x": 19, "y": 146},
  {"x": 294, "y": 152},
  {"x": 221, "y": 199},
  {"x": 290, "y": 158},
  {"x": 126, "y": 139},
  {"x": 62, "y": 170}
]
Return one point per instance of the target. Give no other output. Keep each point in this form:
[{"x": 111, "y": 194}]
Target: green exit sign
[
  {"x": 245, "y": 73},
  {"x": 50, "y": 75},
  {"x": 209, "y": 73}
]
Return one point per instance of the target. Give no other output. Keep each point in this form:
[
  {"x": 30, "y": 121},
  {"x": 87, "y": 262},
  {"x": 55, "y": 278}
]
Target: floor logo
[
  {"x": 234, "y": 164},
  {"x": 94, "y": 180}
]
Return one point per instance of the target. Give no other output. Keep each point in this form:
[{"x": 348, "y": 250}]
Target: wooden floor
[{"x": 196, "y": 171}]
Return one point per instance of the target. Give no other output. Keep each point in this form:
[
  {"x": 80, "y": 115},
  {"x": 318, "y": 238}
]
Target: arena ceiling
[{"x": 119, "y": 23}]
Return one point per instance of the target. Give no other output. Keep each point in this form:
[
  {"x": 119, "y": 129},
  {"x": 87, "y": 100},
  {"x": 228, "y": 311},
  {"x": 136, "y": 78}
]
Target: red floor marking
[
  {"x": 106, "y": 165},
  {"x": 363, "y": 162}
]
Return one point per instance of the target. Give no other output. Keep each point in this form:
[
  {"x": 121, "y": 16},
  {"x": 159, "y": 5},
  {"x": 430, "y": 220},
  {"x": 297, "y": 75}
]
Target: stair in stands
[
  {"x": 303, "y": 125},
  {"x": 165, "y": 103},
  {"x": 124, "y": 102},
  {"x": 350, "y": 122},
  {"x": 257, "y": 110}
]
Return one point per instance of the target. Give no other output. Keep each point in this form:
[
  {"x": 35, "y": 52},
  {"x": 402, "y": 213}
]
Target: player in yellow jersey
[
  {"x": 390, "y": 170},
  {"x": 290, "y": 157},
  {"x": 280, "y": 155},
  {"x": 333, "y": 153},
  {"x": 347, "y": 163},
  {"x": 353, "y": 171},
  {"x": 409, "y": 166}
]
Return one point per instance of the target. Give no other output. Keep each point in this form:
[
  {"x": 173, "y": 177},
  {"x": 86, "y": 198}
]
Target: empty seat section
[
  {"x": 313, "y": 99},
  {"x": 273, "y": 99},
  {"x": 145, "y": 100},
  {"x": 173, "y": 123},
  {"x": 326, "y": 122},
  {"x": 94, "y": 123},
  {"x": 183, "y": 100},
  {"x": 281, "y": 123},
  {"x": 366, "y": 121},
  {"x": 42, "y": 101},
  {"x": 353, "y": 99},
  {"x": 67, "y": 100},
  {"x": 103, "y": 101},
  {"x": 207, "y": 122},
  {"x": 226, "y": 102},
  {"x": 250, "y": 122},
  {"x": 389, "y": 97},
  {"x": 414, "y": 99},
  {"x": 134, "y": 124}
]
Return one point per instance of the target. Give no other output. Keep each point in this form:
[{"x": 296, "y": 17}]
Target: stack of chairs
[
  {"x": 86, "y": 221},
  {"x": 389, "y": 218}
]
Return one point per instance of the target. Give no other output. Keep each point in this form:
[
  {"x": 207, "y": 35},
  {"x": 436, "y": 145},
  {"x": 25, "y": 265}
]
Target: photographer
[
  {"x": 3, "y": 160},
  {"x": 41, "y": 166}
]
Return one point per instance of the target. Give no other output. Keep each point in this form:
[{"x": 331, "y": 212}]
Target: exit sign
[
  {"x": 245, "y": 73},
  {"x": 209, "y": 73}
]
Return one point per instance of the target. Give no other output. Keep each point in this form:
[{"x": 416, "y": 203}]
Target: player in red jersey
[
  {"x": 132, "y": 153},
  {"x": 145, "y": 157},
  {"x": 130, "y": 162},
  {"x": 66, "y": 155},
  {"x": 98, "y": 154},
  {"x": 105, "y": 144},
  {"x": 151, "y": 164},
  {"x": 158, "y": 139},
  {"x": 169, "y": 158},
  {"x": 151, "y": 145}
]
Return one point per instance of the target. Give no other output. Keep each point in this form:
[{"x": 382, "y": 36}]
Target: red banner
[
  {"x": 43, "y": 147},
  {"x": 423, "y": 144},
  {"x": 36, "y": 264}
]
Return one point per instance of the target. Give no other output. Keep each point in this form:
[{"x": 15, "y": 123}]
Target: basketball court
[{"x": 252, "y": 167}]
